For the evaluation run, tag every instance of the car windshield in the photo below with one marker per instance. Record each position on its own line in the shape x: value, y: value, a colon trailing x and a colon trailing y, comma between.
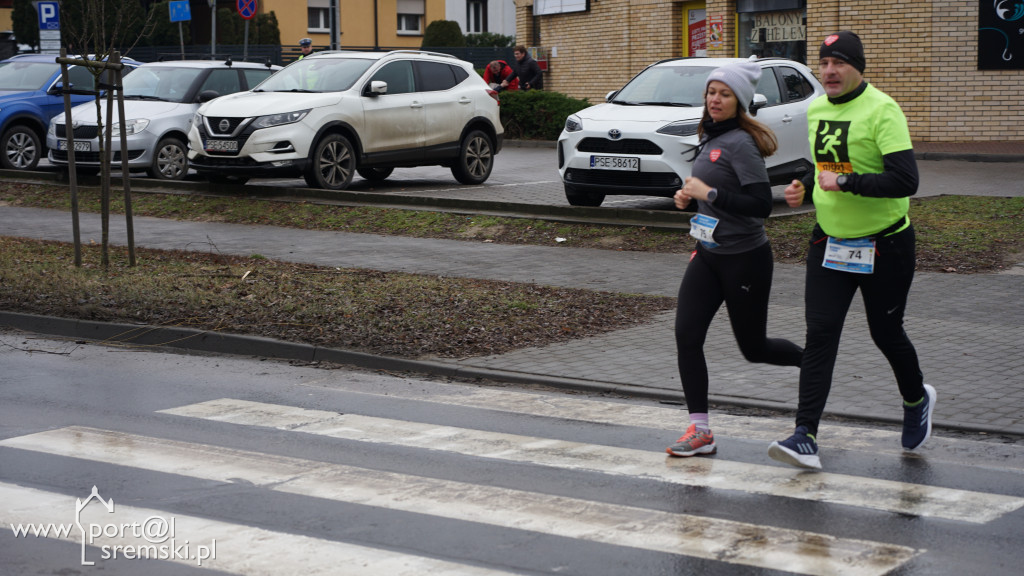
x: 160, y: 83
x: 317, y: 75
x: 25, y: 76
x: 680, y: 85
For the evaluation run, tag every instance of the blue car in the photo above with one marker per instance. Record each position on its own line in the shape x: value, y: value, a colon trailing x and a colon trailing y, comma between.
x: 29, y: 97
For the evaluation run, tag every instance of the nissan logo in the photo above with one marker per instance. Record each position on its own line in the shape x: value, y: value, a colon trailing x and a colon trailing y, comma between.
x: 224, y: 125
x: 614, y: 134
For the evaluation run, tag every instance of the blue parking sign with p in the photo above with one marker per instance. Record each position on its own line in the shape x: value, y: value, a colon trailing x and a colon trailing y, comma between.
x: 49, y: 15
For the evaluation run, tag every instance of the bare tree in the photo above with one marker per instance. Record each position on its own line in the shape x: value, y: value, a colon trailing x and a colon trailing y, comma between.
x: 96, y: 30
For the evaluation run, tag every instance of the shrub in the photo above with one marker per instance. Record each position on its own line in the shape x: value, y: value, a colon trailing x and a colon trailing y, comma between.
x: 443, y: 33
x: 536, y: 114
x: 487, y: 39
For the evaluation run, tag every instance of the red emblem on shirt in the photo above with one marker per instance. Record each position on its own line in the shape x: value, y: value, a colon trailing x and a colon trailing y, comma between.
x: 831, y: 39
x: 715, y: 154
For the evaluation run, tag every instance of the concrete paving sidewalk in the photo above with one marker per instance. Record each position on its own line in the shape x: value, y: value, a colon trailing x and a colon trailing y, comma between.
x: 967, y: 328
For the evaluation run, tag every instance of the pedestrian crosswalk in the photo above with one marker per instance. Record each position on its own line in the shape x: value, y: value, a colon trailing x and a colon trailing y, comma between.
x: 505, y: 506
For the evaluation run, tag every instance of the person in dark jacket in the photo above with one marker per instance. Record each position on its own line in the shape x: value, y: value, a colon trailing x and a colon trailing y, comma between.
x: 531, y: 77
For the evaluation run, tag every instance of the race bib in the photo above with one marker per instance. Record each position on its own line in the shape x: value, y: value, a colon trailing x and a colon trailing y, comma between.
x: 856, y: 256
x: 702, y: 227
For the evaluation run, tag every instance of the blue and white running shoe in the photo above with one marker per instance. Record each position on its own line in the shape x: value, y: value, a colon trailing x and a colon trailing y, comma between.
x: 800, y: 450
x: 917, y: 420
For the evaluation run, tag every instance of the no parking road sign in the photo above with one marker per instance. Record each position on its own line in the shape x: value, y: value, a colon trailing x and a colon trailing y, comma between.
x: 246, y: 8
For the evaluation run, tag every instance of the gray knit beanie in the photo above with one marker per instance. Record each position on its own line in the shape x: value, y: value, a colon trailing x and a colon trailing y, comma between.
x: 741, y: 78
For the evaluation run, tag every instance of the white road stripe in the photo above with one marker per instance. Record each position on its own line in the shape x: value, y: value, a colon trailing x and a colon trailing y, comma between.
x: 240, y: 549
x: 1009, y: 457
x: 886, y: 495
x: 735, y: 542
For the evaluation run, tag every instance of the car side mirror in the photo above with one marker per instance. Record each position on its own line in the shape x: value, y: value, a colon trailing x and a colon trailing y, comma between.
x: 759, y: 102
x: 608, y: 97
x: 377, y: 88
x: 56, y: 90
x: 207, y: 95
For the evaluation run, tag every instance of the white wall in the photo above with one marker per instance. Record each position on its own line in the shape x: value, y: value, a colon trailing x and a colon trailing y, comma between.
x: 501, y: 15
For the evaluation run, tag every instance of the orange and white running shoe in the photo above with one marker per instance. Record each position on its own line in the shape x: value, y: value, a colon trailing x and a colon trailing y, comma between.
x: 693, y: 442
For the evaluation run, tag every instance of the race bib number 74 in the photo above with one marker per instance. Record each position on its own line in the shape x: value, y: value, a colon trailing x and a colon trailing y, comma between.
x: 850, y: 255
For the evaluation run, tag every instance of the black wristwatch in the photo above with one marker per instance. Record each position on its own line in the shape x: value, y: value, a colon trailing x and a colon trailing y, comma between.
x: 712, y: 195
x: 842, y: 180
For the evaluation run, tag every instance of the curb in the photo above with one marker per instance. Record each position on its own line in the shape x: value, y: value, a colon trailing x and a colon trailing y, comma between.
x: 195, y: 340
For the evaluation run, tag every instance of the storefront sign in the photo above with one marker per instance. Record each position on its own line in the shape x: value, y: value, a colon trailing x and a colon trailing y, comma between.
x: 778, y: 27
x: 697, y: 27
x: 1001, y: 35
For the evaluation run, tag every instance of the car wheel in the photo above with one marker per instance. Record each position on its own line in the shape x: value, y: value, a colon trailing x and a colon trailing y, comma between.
x: 476, y: 159
x: 332, y: 164
x: 580, y: 198
x: 375, y: 174
x: 21, y: 148
x: 170, y: 162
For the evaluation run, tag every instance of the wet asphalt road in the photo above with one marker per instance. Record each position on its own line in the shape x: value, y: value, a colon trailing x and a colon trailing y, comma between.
x: 309, y: 470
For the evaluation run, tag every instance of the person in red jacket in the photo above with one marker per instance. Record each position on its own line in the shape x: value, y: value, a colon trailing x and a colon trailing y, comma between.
x: 497, y: 76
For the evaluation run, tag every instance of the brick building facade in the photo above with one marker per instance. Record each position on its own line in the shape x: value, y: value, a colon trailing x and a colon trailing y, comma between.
x: 924, y: 53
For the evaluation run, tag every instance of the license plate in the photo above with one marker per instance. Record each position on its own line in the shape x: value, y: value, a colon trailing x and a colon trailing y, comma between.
x: 80, y: 146
x: 222, y: 145
x: 615, y: 163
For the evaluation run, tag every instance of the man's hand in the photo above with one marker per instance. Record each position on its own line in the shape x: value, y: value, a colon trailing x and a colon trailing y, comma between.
x: 827, y: 181
x: 795, y: 193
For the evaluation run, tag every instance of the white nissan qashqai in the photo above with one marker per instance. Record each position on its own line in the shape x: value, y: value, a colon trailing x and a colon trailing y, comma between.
x: 333, y: 114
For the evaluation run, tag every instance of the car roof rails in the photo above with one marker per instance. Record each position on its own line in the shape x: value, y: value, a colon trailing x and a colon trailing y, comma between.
x: 427, y: 52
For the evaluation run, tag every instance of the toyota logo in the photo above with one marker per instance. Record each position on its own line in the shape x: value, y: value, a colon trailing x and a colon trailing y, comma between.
x: 614, y: 134
x: 224, y: 125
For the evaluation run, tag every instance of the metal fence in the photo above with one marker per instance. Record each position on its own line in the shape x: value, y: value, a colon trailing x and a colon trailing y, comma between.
x: 280, y: 55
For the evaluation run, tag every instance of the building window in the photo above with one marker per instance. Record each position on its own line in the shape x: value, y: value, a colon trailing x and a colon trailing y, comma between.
x: 410, y: 17
x: 476, y: 16
x: 779, y: 34
x: 319, y: 19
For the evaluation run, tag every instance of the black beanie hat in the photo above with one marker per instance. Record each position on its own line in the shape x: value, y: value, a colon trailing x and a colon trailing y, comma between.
x: 846, y: 46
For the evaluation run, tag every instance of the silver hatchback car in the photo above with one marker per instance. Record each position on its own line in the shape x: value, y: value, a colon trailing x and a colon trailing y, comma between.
x: 161, y: 98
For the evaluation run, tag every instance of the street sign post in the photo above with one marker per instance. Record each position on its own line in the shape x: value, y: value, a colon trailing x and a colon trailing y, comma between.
x: 180, y: 12
x: 246, y: 9
x: 49, y: 27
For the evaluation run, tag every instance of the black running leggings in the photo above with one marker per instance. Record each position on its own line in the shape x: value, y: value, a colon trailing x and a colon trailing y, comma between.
x: 827, y: 298
x: 743, y: 282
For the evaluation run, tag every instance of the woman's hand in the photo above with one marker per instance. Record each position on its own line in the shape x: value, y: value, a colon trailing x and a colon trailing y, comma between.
x: 682, y: 199
x: 795, y: 194
x: 696, y: 188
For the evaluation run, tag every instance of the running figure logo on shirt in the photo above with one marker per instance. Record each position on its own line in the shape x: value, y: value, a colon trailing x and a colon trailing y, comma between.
x: 830, y: 147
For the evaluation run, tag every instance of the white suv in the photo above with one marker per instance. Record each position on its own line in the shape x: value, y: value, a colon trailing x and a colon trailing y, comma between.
x: 640, y: 141
x: 332, y: 114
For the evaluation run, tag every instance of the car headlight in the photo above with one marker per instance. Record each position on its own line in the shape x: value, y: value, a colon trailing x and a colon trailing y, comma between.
x: 280, y: 119
x: 130, y: 127
x: 681, y: 128
x: 52, y: 130
x: 197, y: 120
x: 573, y: 123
